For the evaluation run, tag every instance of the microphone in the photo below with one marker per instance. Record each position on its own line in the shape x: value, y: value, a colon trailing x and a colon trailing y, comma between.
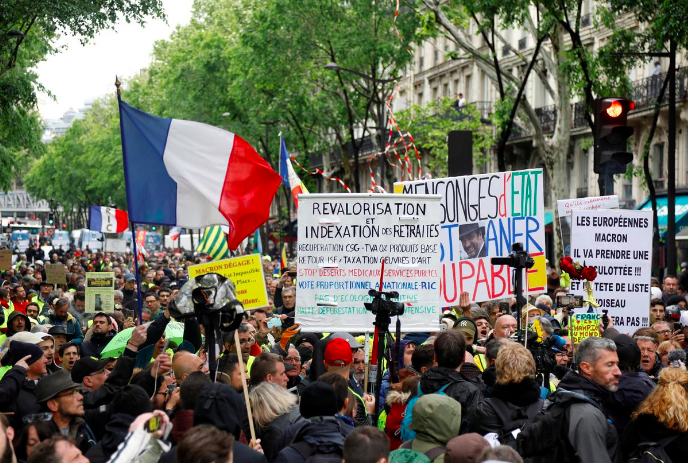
x: 676, y: 356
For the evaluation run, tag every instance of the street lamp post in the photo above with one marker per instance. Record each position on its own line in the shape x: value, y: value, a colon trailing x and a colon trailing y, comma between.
x: 332, y: 66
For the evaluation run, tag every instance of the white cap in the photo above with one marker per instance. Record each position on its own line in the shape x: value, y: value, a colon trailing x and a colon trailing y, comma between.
x: 25, y: 336
x: 43, y: 336
x: 684, y: 318
x: 655, y: 293
x: 39, y: 262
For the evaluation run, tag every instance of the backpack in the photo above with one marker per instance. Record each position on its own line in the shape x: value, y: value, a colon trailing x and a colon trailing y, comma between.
x: 406, y: 433
x: 405, y: 454
x: 544, y: 438
x: 512, y: 419
x: 652, y: 452
x: 310, y: 453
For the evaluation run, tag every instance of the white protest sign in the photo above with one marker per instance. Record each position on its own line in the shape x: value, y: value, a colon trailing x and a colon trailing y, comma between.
x: 593, y: 203
x: 116, y: 245
x: 342, y: 241
x: 618, y: 243
x: 481, y: 217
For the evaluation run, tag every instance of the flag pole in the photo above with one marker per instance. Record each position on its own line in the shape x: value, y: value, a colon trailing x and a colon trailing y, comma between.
x: 118, y: 84
x: 136, y: 270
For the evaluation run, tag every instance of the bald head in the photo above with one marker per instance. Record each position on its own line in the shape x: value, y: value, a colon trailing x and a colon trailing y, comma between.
x: 185, y: 363
x: 505, y: 326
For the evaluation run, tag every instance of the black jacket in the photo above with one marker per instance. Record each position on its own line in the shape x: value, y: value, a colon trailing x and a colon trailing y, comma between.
x: 94, y: 346
x: 130, y: 300
x: 269, y: 435
x: 17, y: 396
x: 646, y: 428
x: 459, y: 389
x: 589, y: 431
x: 115, y: 433
x: 633, y: 389
x: 119, y: 378
x: 325, y: 433
x: 522, y: 399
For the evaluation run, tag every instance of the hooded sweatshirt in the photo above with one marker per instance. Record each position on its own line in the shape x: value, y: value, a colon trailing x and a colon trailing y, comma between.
x: 115, y: 433
x: 436, y: 420
x: 459, y: 389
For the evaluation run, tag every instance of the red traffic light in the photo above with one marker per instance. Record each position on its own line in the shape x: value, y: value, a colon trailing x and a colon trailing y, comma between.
x: 64, y: 225
x: 615, y: 109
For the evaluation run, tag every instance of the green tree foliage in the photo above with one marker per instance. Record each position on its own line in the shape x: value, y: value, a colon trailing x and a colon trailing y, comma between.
x: 84, y: 166
x: 28, y: 30
x: 430, y: 125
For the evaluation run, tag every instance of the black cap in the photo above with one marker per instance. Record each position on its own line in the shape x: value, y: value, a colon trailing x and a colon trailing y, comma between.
x: 51, y: 385
x: 318, y: 399
x: 627, y: 350
x: 58, y: 330
x: 86, y: 366
x: 132, y: 400
x: 18, y: 350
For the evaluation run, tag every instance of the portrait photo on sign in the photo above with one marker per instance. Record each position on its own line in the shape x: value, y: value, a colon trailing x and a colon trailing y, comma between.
x: 472, y: 237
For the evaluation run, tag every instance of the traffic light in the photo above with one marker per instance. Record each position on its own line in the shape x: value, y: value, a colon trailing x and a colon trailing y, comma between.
x: 51, y: 218
x: 64, y: 225
x: 611, y: 133
x: 154, y: 228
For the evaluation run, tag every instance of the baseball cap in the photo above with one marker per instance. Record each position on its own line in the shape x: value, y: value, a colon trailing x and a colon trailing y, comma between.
x: 39, y: 262
x: 86, y: 366
x: 467, y: 326
x: 26, y: 336
x: 129, y: 277
x: 348, y: 338
x: 51, y: 385
x: 338, y: 352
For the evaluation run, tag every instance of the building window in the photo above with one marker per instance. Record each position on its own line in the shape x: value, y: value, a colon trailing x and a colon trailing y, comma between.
x: 436, y: 57
x: 445, y: 90
x: 419, y: 98
x: 434, y: 93
x: 628, y: 191
x: 522, y: 43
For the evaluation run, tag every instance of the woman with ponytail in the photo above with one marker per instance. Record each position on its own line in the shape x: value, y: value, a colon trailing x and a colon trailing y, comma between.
x: 662, y: 416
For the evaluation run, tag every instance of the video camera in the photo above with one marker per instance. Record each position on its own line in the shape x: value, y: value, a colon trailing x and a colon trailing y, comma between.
x: 518, y: 258
x: 384, y: 306
x: 210, y: 294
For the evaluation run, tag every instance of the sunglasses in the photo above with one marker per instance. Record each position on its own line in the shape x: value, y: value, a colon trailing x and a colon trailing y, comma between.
x: 28, y: 419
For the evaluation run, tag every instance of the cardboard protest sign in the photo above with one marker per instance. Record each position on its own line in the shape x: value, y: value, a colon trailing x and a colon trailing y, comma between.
x: 55, y: 274
x: 247, y: 274
x: 5, y: 259
x: 593, y: 203
x: 481, y: 217
x: 100, y: 292
x: 342, y: 241
x: 619, y: 244
x: 584, y: 325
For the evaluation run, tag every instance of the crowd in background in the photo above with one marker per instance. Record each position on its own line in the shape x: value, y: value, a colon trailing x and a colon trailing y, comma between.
x: 468, y: 393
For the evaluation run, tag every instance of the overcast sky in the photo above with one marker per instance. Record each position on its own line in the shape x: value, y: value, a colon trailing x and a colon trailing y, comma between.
x: 82, y: 73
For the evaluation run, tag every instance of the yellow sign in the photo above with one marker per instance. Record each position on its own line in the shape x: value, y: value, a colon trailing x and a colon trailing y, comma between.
x: 585, y: 325
x: 247, y: 274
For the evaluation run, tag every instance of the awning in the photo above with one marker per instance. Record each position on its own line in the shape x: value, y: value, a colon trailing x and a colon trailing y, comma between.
x: 549, y: 217
x: 681, y: 206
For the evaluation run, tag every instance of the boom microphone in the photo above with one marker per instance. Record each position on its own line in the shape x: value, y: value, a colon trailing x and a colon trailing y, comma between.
x: 675, y: 356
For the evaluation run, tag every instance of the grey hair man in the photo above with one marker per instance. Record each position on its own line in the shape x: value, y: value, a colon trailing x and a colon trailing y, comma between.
x: 592, y: 436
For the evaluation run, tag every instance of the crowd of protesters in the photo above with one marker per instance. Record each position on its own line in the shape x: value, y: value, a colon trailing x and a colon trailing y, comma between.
x: 469, y: 393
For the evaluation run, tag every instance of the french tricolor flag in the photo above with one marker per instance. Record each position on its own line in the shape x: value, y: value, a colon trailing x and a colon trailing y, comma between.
x: 289, y: 177
x: 188, y: 174
x: 108, y: 219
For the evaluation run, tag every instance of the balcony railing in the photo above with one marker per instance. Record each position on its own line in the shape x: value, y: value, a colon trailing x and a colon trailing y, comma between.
x: 647, y: 90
